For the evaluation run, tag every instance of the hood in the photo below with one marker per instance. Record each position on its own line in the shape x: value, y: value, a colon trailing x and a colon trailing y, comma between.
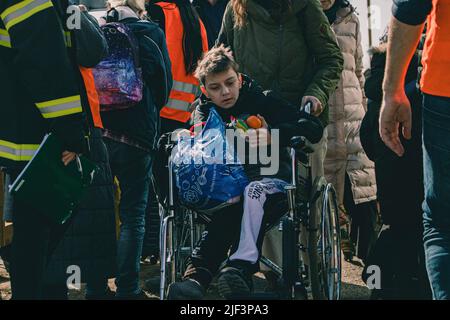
x: 125, y: 12
x: 344, y: 14
x: 257, y: 10
x: 382, y: 48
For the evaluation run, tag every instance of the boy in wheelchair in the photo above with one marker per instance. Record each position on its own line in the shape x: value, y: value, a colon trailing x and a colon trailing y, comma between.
x: 232, y: 240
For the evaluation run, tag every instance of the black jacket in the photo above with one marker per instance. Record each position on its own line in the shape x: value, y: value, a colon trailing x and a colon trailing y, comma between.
x: 141, y: 122
x: 278, y: 113
x: 90, y: 238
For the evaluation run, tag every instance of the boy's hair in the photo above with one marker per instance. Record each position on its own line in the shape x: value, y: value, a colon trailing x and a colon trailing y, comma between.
x: 215, y: 61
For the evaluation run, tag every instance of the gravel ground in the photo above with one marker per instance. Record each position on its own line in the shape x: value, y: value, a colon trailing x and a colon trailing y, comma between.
x: 352, y: 286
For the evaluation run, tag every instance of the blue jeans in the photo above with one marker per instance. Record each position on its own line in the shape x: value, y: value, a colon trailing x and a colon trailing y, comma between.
x: 436, y: 206
x: 132, y: 167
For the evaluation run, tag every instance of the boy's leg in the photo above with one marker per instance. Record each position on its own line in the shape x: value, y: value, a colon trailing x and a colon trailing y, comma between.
x: 255, y: 197
x: 210, y: 251
x: 235, y: 278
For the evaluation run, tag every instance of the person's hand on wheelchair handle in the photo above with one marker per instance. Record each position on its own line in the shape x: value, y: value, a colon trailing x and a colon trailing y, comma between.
x: 316, y: 106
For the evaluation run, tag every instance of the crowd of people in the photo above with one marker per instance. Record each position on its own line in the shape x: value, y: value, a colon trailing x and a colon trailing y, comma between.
x: 383, y: 144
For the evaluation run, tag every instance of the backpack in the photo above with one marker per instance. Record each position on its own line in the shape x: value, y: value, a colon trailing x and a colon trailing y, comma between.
x: 118, y: 77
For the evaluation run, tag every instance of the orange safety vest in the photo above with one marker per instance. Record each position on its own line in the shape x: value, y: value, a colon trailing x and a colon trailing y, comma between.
x: 185, y: 86
x: 436, y: 53
x: 92, y: 95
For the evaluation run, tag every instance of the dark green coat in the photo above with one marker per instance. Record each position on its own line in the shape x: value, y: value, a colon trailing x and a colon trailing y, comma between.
x: 293, y: 53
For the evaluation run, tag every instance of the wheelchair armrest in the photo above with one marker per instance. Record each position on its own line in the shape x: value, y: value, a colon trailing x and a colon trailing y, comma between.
x: 300, y: 143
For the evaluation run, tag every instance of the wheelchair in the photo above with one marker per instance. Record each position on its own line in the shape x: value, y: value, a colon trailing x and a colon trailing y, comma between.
x: 311, y: 255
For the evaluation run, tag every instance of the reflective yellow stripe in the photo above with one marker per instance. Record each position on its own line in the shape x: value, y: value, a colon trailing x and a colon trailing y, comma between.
x: 17, y: 152
x: 68, y: 39
x: 60, y: 107
x: 22, y: 11
x: 5, y: 40
x: 178, y: 104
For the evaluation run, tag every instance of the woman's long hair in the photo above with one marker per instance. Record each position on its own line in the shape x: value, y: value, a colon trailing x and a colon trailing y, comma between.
x: 240, y: 10
x: 192, y: 36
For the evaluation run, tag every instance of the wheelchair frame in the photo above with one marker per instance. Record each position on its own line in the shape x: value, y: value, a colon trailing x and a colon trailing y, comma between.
x: 310, y: 234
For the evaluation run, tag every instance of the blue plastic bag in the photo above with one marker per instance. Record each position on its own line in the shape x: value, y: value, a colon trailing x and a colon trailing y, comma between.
x: 207, y: 173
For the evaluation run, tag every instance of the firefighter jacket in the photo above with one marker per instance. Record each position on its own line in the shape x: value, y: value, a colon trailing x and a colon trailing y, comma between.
x: 39, y: 81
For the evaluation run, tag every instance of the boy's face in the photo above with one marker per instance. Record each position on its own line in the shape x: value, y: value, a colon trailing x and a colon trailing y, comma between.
x: 223, y: 88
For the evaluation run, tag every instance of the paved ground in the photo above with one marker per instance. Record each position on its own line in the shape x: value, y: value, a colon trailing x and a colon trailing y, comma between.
x: 352, y: 286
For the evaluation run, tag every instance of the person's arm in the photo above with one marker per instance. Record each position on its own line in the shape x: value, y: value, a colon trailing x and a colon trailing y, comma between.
x: 44, y: 67
x: 156, y: 66
x: 156, y: 14
x: 322, y: 45
x: 91, y: 44
x: 396, y: 109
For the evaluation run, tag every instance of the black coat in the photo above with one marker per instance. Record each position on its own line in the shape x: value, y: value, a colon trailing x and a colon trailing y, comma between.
x: 90, y: 240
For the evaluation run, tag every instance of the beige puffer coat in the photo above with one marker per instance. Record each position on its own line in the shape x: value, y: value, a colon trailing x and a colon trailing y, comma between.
x: 347, y: 108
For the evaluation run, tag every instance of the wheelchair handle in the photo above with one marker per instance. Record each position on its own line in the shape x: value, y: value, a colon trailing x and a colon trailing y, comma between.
x: 307, y: 107
x: 300, y: 143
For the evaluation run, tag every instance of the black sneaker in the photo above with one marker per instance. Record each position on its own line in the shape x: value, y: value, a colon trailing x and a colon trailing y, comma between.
x: 152, y: 284
x: 138, y: 296
x: 234, y: 283
x: 188, y: 289
x: 107, y: 295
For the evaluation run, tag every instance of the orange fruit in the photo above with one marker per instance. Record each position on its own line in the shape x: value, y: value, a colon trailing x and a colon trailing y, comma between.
x: 254, y: 122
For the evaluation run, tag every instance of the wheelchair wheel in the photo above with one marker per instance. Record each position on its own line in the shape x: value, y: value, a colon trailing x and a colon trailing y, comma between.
x: 176, y: 237
x: 324, y: 247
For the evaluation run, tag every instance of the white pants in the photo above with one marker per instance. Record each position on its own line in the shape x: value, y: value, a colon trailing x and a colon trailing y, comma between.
x: 255, y: 196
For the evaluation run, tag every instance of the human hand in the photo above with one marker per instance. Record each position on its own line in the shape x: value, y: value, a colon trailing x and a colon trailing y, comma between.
x: 395, y: 112
x: 261, y: 136
x: 68, y: 157
x: 317, y: 107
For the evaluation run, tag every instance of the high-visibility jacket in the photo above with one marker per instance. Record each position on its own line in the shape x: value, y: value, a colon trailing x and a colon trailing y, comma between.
x: 39, y: 85
x: 92, y: 96
x: 185, y: 86
x: 436, y: 54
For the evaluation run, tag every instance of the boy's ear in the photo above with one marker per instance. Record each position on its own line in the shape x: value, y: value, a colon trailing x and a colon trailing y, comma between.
x: 240, y: 80
x: 203, y: 89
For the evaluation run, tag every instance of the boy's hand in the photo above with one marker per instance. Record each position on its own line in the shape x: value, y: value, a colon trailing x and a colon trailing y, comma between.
x: 260, y: 137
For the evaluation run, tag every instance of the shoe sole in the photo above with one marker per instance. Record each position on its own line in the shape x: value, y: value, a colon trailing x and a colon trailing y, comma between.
x: 232, y: 286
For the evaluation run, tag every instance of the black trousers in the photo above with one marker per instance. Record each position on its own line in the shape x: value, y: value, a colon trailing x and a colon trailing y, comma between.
x: 34, y: 240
